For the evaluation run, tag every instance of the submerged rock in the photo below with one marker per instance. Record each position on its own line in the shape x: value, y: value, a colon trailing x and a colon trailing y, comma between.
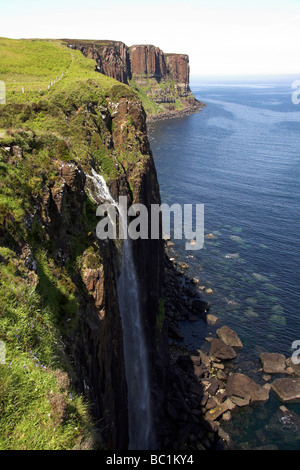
x: 232, y: 255
x: 183, y: 265
x: 284, y: 427
x: 211, y: 319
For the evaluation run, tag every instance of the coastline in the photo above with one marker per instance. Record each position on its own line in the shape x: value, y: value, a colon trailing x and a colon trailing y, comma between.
x: 216, y: 382
x: 188, y: 110
x: 215, y: 377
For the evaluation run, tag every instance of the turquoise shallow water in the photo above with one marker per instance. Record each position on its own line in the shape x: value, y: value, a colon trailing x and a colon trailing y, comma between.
x: 240, y: 157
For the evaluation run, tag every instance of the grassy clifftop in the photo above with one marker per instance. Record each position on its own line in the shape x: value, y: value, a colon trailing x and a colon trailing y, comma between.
x: 30, y: 68
x: 58, y: 112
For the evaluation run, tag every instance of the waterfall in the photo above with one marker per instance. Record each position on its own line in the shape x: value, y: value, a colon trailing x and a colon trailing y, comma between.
x: 135, y: 353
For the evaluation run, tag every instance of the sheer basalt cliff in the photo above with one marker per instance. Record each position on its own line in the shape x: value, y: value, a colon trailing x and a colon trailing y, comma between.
x: 65, y: 384
x: 50, y: 142
x: 111, y: 57
x: 162, y: 80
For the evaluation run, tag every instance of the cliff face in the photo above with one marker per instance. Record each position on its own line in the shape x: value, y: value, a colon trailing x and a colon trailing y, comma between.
x: 53, y: 264
x: 147, y: 60
x: 152, y: 62
x: 162, y: 80
x: 96, y: 345
x: 178, y: 66
x: 48, y: 228
x: 111, y: 57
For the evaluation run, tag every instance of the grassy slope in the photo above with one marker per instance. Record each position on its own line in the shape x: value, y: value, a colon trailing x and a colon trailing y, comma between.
x: 149, y: 104
x: 53, y: 112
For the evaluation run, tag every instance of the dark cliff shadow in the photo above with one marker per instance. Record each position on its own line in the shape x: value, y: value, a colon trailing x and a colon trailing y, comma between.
x: 191, y: 392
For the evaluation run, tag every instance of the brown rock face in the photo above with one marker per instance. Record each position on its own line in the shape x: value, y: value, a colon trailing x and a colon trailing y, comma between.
x: 148, y: 60
x: 178, y: 66
x: 116, y: 60
x: 288, y: 390
x: 273, y: 363
x: 96, y: 343
x: 221, y: 351
x: 240, y: 385
x: 153, y: 62
x: 100, y: 351
x: 229, y: 337
x: 112, y: 57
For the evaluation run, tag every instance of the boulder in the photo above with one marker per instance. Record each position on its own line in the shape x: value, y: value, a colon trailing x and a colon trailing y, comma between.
x: 289, y: 418
x: 238, y: 401
x: 199, y: 371
x: 200, y: 306
x: 295, y: 367
x: 221, y: 375
x: 215, y: 413
x: 183, y: 265
x: 239, y: 385
x: 211, y: 403
x: 287, y: 389
x: 192, y: 365
x: 211, y: 319
x: 273, y: 363
x: 284, y: 428
x: 204, y: 358
x: 220, y: 350
x: 213, y: 386
x: 224, y: 435
x: 229, y: 337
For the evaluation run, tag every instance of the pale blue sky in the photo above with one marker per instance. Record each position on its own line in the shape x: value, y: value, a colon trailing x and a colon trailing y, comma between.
x: 221, y: 37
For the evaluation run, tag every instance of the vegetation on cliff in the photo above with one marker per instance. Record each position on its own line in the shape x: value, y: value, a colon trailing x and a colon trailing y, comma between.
x: 57, y: 123
x: 161, y: 80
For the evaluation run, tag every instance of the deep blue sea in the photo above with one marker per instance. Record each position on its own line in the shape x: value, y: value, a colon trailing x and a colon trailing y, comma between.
x: 240, y: 157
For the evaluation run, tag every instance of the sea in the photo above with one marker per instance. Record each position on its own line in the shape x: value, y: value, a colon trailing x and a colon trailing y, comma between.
x: 240, y: 157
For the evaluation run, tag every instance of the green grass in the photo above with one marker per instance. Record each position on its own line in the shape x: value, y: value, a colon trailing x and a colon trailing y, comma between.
x: 33, y: 69
x: 38, y: 408
x: 149, y: 105
x: 31, y: 65
x: 150, y: 90
x: 39, y: 310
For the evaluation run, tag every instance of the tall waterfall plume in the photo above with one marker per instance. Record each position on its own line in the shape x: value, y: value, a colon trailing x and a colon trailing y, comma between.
x: 141, y: 436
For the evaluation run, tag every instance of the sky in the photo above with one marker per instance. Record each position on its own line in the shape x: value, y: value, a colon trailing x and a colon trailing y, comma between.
x: 221, y: 37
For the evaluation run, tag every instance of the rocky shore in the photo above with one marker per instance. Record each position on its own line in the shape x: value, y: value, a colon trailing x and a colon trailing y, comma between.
x: 206, y: 386
x: 186, y: 111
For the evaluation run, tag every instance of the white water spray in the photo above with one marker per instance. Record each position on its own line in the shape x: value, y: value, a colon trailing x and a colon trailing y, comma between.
x: 135, y: 353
